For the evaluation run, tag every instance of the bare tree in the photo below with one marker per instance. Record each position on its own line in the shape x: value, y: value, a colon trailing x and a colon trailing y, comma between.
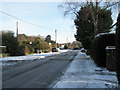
x: 73, y: 6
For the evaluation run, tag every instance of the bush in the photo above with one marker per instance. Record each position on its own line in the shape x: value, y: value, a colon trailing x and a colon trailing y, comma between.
x: 99, y: 43
x: 20, y: 51
x: 11, y: 42
x: 65, y: 47
x: 3, y: 50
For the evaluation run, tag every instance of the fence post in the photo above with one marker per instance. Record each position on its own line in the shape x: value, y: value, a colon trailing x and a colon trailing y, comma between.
x: 110, y: 58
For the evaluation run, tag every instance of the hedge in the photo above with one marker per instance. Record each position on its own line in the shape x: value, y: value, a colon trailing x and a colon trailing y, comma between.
x: 118, y: 48
x: 99, y: 43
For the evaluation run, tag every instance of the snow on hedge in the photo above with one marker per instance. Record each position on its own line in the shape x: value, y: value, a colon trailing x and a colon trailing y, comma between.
x: 101, y: 34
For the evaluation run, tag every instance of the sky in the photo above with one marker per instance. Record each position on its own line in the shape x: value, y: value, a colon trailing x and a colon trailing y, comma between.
x: 46, y: 15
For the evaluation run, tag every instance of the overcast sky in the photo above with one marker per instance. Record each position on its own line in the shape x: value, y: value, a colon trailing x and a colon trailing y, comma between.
x: 46, y: 15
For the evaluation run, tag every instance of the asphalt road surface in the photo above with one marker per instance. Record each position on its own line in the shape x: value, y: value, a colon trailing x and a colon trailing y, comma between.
x: 37, y: 74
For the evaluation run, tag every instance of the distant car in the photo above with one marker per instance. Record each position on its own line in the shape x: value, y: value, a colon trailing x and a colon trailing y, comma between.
x: 54, y: 50
x: 83, y: 50
x: 45, y: 51
x: 61, y: 48
x: 76, y: 48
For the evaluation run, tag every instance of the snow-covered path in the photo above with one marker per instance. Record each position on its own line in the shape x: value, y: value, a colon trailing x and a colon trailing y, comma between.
x: 83, y: 73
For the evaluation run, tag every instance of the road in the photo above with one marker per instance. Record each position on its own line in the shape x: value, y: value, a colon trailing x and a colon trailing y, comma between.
x: 37, y: 74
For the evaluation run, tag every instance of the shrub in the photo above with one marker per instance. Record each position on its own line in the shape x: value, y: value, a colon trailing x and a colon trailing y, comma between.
x: 11, y: 42
x: 99, y: 43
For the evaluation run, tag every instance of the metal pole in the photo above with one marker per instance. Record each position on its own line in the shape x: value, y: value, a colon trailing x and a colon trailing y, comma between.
x: 67, y: 41
x: 17, y: 30
x: 56, y: 38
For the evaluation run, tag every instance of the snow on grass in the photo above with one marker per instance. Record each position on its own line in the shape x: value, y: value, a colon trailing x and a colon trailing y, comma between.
x: 17, y: 58
x: 7, y: 61
x: 83, y: 73
x: 66, y: 50
x: 29, y: 57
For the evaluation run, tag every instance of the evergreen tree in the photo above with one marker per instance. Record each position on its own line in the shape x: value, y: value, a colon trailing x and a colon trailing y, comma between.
x: 85, y: 24
x: 48, y: 39
x: 10, y: 42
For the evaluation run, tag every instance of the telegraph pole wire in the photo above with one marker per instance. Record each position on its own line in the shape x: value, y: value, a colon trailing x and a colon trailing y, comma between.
x: 21, y: 19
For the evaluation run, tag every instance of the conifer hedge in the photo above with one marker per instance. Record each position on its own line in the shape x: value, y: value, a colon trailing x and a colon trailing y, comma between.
x: 98, y: 47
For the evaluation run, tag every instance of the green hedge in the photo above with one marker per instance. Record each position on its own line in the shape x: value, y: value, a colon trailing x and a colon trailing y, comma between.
x: 99, y: 43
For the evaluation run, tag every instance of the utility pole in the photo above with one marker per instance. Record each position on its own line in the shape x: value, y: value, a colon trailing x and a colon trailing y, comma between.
x: 56, y: 38
x: 17, y: 30
x: 67, y: 41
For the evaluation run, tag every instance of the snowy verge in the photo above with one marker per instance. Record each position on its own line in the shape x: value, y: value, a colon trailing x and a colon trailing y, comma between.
x: 6, y: 61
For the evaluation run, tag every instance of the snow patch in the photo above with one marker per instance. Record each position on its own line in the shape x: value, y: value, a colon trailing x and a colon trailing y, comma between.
x: 101, y: 34
x: 7, y: 61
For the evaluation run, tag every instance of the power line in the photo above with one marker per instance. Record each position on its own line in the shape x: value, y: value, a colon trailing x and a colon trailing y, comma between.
x: 21, y: 19
x: 24, y: 20
x: 31, y: 24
